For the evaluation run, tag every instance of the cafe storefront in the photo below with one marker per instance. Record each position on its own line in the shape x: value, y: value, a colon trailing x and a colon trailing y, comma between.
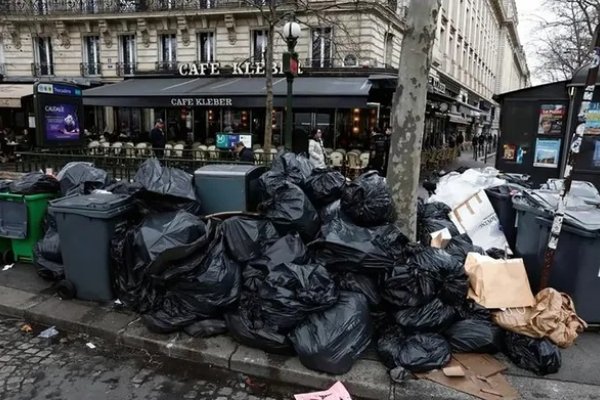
x: 199, y: 103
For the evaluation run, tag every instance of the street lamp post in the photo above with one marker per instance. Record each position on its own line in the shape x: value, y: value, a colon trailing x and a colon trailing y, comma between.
x: 291, y: 33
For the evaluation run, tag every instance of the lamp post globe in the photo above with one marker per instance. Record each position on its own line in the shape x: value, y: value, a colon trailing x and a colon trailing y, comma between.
x: 291, y: 31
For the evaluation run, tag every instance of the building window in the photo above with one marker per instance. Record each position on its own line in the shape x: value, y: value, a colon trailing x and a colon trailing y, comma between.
x: 127, y: 56
x: 206, y: 47
x: 40, y: 7
x: 389, y: 50
x: 168, y: 52
x: 90, y: 6
x: 43, y: 57
x: 2, y: 66
x: 91, y: 57
x: 321, y: 48
x: 259, y: 45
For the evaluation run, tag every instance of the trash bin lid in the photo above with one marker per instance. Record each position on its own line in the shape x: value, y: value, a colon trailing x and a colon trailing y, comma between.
x: 226, y: 170
x: 96, y: 205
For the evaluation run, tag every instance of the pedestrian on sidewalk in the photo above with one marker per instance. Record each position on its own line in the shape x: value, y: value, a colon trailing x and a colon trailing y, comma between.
x: 316, y: 151
x: 460, y: 139
x: 475, y: 143
x: 158, y: 138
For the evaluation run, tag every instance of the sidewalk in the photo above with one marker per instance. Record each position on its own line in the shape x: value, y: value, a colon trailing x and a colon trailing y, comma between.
x: 23, y: 294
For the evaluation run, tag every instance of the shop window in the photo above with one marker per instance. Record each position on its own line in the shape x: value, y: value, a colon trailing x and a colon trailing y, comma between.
x: 322, y: 50
x: 259, y: 45
x: 389, y: 50
x: 206, y: 47
x: 43, y: 56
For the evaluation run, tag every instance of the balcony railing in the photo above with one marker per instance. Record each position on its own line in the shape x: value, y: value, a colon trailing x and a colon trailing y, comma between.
x: 42, y: 69
x: 126, y: 69
x: 90, y: 69
x: 166, y: 66
x: 62, y: 7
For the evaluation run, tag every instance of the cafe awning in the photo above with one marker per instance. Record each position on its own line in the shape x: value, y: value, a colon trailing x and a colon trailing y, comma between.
x: 11, y: 94
x: 458, y: 119
x: 239, y: 92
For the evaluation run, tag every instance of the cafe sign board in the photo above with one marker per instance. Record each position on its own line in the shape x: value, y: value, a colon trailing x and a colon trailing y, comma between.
x: 242, y: 69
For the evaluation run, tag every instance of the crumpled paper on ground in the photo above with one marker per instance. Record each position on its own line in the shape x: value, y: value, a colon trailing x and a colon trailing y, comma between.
x: 553, y: 317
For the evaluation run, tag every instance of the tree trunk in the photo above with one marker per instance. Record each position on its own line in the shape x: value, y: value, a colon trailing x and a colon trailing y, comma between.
x: 269, y: 85
x: 408, y: 111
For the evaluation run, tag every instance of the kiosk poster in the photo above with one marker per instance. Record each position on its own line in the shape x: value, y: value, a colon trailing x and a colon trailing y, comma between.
x: 596, y: 159
x: 547, y: 152
x: 509, y: 152
x: 592, y: 119
x: 551, y: 119
x: 61, y: 122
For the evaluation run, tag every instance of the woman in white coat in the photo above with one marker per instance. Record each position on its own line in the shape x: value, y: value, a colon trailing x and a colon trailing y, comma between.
x: 315, y: 149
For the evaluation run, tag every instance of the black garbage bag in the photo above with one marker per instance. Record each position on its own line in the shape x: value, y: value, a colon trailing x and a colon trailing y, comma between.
x: 325, y: 186
x: 269, y: 182
x: 161, y: 232
x: 389, y: 344
x: 290, y: 292
x: 368, y: 201
x: 172, y: 316
x: 424, y: 352
x: 434, y: 316
x: 253, y: 277
x: 537, y: 355
x: 332, y: 340
x: 359, y: 283
x: 247, y: 327
x: 330, y: 212
x: 5, y: 185
x: 427, y: 226
x: 295, y: 168
x: 213, y: 284
x: 460, y: 246
x: 291, y: 211
x: 248, y: 237
x: 471, y: 310
x: 428, y: 273
x: 475, y: 336
x: 47, y: 257
x: 165, y: 181
x: 498, y: 254
x: 34, y: 183
x: 81, y: 178
x: 349, y: 247
x: 206, y: 328
x: 435, y: 210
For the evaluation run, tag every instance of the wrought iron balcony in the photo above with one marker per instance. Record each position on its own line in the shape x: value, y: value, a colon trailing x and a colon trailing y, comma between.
x: 166, y: 66
x: 126, y: 69
x: 42, y: 69
x: 82, y: 7
x: 90, y: 69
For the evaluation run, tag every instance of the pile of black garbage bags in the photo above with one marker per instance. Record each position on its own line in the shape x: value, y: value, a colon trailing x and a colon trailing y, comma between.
x: 321, y: 272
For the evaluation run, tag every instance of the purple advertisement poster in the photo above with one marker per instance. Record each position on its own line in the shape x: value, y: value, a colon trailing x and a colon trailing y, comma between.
x: 61, y: 122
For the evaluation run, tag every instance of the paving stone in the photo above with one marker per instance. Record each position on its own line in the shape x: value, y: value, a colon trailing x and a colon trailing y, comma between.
x: 191, y: 395
x: 34, y: 360
x: 44, y: 353
x: 8, y: 368
x: 5, y: 359
x: 226, y: 391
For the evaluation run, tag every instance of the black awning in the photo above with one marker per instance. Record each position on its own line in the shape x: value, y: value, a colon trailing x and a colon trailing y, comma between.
x: 580, y: 77
x: 309, y: 92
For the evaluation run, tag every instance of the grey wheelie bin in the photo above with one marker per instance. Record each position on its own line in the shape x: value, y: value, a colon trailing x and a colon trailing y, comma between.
x: 86, y: 225
x: 528, y: 231
x: 576, y: 267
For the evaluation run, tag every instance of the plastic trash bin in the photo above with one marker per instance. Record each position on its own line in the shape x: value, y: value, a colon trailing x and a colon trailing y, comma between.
x: 501, y: 199
x: 228, y: 187
x: 528, y: 231
x: 21, y: 219
x: 576, y: 270
x: 86, y: 225
x: 6, y: 254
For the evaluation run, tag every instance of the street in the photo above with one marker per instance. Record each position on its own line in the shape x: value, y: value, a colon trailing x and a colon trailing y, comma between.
x: 34, y: 369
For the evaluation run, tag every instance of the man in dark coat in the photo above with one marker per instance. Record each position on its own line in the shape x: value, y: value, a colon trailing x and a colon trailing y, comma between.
x: 245, y: 154
x: 158, y: 138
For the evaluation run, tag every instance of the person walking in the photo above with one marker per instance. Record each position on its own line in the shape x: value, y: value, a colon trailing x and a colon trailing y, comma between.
x: 460, y: 139
x: 158, y: 138
x: 316, y: 151
x: 244, y: 154
x: 475, y: 144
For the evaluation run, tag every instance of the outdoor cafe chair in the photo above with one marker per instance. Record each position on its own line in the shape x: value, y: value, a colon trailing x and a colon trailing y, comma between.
x: 353, y: 164
x: 105, y: 146
x: 141, y: 149
x: 336, y: 159
x: 213, y: 153
x: 256, y: 147
x: 178, y: 150
x: 364, y: 159
x: 168, y: 150
x: 343, y: 151
x: 117, y: 147
x: 328, y: 150
x: 93, y: 147
x: 259, y: 156
x: 129, y: 149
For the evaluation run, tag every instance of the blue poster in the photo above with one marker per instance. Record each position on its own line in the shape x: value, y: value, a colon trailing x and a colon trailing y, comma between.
x: 61, y: 122
x: 592, y: 119
x: 547, y: 153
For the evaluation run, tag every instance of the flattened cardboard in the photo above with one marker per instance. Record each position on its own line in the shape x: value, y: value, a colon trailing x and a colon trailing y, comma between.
x: 483, y: 364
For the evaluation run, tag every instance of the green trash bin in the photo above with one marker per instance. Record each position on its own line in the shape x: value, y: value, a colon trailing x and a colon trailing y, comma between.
x: 6, y: 254
x: 21, y: 221
x: 86, y: 226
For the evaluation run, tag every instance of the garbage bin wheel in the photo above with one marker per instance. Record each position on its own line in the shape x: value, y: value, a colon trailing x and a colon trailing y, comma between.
x: 65, y: 290
x: 8, y: 257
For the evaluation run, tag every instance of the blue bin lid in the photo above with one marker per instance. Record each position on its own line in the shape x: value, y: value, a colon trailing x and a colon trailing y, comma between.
x: 98, y: 205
